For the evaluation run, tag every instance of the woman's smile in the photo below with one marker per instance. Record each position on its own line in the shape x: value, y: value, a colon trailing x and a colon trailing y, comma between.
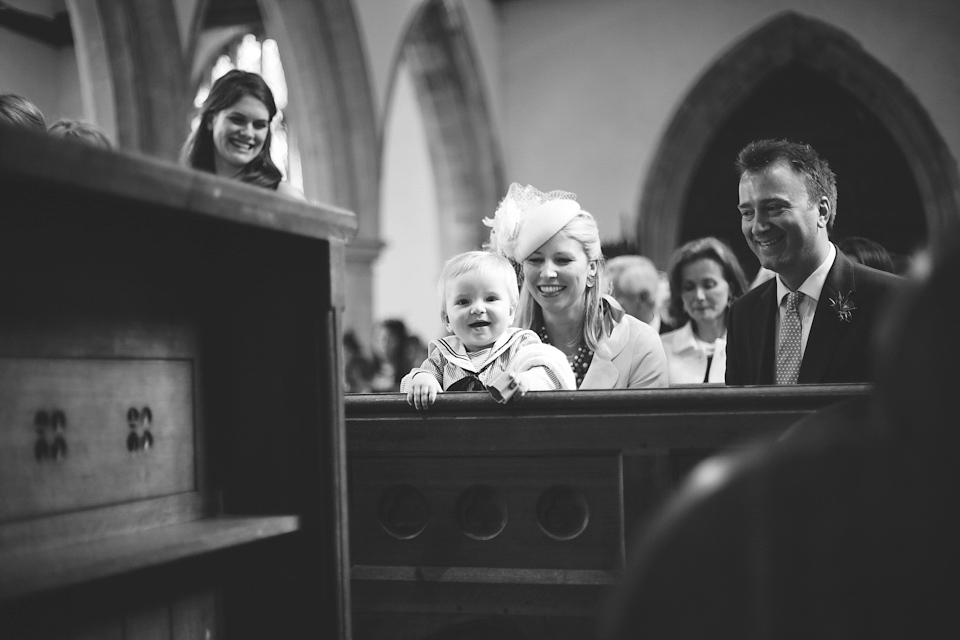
x: 550, y: 289
x: 242, y: 144
x: 239, y: 134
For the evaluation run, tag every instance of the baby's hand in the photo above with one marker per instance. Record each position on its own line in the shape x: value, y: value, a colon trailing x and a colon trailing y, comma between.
x: 423, y: 390
x: 520, y: 384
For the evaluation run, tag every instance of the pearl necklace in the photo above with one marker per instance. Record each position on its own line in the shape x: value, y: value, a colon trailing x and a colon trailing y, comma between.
x: 579, y: 361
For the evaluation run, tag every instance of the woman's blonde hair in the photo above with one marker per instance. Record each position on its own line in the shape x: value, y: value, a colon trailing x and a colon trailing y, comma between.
x: 583, y: 229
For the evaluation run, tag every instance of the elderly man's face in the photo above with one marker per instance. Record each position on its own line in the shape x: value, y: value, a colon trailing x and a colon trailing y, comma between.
x: 637, y: 291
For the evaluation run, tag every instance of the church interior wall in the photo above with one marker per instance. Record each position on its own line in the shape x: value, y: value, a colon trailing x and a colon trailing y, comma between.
x: 34, y: 80
x: 69, y: 102
x: 185, y: 11
x: 382, y: 26
x: 409, y: 209
x: 410, y: 261
x: 590, y: 87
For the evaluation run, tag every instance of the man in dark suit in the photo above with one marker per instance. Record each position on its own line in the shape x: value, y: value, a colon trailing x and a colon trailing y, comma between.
x: 811, y: 323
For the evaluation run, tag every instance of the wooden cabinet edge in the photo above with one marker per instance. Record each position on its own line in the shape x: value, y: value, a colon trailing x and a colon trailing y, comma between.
x: 74, y: 564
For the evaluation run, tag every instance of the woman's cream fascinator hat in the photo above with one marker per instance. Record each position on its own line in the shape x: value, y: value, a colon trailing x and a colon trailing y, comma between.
x: 527, y: 218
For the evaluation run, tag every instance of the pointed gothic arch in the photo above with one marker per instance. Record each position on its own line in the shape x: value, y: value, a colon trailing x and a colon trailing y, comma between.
x: 332, y: 110
x: 791, y: 38
x: 135, y: 95
x: 464, y: 152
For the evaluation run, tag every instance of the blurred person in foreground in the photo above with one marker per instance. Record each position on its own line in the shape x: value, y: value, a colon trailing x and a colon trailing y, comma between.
x: 846, y: 529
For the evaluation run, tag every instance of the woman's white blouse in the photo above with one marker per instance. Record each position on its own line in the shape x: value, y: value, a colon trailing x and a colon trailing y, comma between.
x: 687, y: 359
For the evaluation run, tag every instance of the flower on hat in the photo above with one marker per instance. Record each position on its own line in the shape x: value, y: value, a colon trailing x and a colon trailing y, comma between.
x: 508, y: 219
x: 505, y: 225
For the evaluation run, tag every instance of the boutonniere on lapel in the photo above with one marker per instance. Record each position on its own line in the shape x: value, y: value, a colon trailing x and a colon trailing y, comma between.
x: 843, y: 306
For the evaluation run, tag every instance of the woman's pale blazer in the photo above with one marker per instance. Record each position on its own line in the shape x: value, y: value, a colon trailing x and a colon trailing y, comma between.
x: 630, y: 357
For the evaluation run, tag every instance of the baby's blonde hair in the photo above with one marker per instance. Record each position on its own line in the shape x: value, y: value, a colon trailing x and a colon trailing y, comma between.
x: 475, y: 261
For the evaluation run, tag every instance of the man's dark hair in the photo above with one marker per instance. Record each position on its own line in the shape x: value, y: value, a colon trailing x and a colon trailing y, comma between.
x: 821, y: 180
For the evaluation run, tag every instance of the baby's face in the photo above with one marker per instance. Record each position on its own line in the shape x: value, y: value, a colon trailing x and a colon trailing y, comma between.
x: 478, y: 308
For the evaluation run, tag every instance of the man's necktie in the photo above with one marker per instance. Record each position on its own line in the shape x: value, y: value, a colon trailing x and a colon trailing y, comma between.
x: 788, y: 355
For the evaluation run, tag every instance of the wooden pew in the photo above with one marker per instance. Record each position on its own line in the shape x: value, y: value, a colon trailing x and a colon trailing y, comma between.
x: 474, y: 518
x: 171, y: 414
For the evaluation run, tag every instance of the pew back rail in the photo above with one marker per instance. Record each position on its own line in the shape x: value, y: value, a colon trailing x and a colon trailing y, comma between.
x: 519, y: 516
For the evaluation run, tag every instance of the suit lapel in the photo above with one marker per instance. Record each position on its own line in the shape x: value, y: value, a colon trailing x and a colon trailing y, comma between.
x: 767, y: 309
x: 602, y: 374
x: 827, y: 329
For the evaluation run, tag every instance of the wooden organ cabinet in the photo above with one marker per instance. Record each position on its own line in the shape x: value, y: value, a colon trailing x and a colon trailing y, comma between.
x: 172, y: 456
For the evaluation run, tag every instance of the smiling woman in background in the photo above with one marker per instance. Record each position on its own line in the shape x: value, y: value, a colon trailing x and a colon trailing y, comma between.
x: 233, y: 137
x: 705, y: 277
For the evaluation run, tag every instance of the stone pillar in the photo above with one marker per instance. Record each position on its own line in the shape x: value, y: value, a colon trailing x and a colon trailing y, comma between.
x: 133, y: 77
x: 333, y: 118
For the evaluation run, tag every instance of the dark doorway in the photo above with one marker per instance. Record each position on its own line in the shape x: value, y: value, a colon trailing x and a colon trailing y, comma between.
x: 877, y: 196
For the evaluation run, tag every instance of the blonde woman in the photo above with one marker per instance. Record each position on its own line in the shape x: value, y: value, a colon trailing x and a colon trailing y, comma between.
x: 557, y: 247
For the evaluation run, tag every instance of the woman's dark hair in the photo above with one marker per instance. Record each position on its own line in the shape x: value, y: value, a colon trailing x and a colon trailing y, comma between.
x: 694, y: 250
x: 867, y: 252
x: 20, y: 112
x: 198, y: 151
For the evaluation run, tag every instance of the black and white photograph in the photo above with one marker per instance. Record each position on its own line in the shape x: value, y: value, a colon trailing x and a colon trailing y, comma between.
x: 479, y: 319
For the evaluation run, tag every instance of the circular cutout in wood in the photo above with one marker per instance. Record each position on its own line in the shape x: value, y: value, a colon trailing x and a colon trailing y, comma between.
x: 403, y: 512
x: 562, y: 512
x: 481, y: 512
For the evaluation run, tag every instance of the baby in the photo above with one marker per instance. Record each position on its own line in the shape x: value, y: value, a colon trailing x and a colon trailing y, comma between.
x: 478, y: 298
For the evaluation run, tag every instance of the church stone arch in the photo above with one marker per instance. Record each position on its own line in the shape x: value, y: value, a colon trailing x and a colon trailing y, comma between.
x: 792, y: 39
x: 331, y: 109
x: 331, y: 103
x: 464, y: 152
x: 134, y: 82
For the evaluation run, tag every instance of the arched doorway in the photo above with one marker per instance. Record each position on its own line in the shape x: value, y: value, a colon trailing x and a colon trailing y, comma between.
x: 441, y: 172
x: 878, y: 197
x: 465, y: 155
x: 786, y: 46
x: 133, y: 94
